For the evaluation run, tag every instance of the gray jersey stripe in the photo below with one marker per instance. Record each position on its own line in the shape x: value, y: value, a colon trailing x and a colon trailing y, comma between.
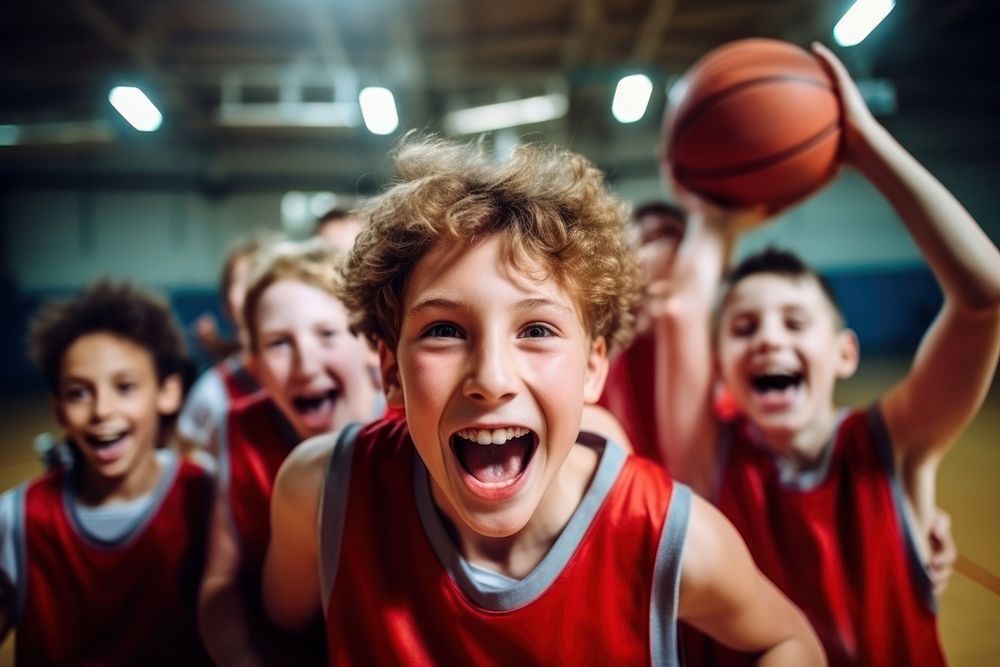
x: 883, y: 445
x: 333, y: 509
x: 552, y: 564
x: 21, y: 549
x: 667, y: 580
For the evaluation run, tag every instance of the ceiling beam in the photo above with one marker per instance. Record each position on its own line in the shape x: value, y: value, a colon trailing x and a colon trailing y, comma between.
x: 647, y: 44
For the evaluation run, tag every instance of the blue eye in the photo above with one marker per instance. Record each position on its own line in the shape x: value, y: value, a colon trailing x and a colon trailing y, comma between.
x: 536, y: 331
x: 443, y: 330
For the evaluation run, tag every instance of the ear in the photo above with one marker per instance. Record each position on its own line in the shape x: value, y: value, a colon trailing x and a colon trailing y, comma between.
x: 597, y: 370
x: 391, y: 384
x: 848, y: 353
x: 170, y: 395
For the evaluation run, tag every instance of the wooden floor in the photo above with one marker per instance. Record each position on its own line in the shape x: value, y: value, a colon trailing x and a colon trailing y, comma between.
x: 968, y: 489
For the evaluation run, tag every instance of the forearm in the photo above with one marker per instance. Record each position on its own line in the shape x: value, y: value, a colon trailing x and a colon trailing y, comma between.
x: 797, y: 650
x: 961, y: 255
x: 683, y: 353
x: 224, y: 624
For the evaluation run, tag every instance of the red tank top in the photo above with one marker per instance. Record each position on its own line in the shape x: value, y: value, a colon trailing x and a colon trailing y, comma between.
x: 87, y: 602
x: 398, y: 592
x: 837, y: 542
x: 257, y: 439
x: 239, y: 381
x: 628, y: 395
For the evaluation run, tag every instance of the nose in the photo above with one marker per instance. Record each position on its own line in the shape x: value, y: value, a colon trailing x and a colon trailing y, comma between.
x: 306, y: 360
x: 492, y: 376
x: 103, y: 405
x: 771, y: 334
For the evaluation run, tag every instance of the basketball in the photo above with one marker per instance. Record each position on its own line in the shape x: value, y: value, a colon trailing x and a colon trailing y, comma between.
x: 755, y: 122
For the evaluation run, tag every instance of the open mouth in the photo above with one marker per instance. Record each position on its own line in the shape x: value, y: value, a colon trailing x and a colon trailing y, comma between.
x: 776, y: 382
x: 107, y: 446
x: 496, y: 457
x: 314, y: 403
x: 105, y: 441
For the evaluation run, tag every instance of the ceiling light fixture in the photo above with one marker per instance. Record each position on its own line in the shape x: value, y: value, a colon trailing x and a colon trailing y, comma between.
x: 506, y: 114
x: 378, y: 109
x: 136, y: 108
x: 860, y: 19
x: 631, y: 98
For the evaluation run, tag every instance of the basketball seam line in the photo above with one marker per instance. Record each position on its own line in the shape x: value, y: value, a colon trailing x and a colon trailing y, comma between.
x: 692, y: 115
x: 760, y: 163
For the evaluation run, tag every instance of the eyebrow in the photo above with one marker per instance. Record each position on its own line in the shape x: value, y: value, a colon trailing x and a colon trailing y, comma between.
x: 441, y: 303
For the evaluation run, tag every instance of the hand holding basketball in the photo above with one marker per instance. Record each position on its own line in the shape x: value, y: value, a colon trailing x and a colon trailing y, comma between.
x: 753, y: 123
x: 857, y: 119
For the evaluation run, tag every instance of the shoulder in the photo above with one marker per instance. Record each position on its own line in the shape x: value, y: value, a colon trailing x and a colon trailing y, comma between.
x: 302, y: 473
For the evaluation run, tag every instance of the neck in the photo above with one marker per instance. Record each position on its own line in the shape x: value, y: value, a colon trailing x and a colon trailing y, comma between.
x: 95, y: 489
x: 803, y: 448
x: 518, y: 554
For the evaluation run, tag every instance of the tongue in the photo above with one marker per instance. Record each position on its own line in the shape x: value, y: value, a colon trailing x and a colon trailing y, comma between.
x: 492, y: 464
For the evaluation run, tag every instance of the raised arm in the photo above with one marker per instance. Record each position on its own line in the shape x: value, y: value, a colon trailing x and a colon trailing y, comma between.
x: 291, y: 586
x: 724, y: 595
x: 957, y: 357
x: 682, y: 294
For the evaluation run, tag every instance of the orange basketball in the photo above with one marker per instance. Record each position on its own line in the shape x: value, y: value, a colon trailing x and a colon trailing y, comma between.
x: 754, y: 122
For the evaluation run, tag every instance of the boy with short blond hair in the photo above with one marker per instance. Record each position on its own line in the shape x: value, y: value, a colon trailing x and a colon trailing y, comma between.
x: 477, y: 531
x: 101, y: 559
x: 318, y: 377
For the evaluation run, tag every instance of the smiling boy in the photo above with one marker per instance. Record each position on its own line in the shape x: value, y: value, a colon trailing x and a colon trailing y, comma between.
x: 318, y: 377
x: 837, y: 506
x: 477, y: 531
x: 101, y: 559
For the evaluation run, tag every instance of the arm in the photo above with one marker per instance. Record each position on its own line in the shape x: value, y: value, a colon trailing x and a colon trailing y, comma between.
x: 724, y: 595
x: 682, y: 295
x: 957, y: 357
x: 291, y: 585
x: 221, y: 614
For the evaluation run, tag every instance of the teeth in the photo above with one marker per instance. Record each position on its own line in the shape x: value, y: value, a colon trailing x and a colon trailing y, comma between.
x: 107, y: 438
x: 497, y: 436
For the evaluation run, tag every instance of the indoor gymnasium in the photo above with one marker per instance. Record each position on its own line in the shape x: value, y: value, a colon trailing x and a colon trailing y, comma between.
x: 243, y: 237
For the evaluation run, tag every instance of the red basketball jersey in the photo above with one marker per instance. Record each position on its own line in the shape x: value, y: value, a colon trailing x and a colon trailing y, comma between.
x: 239, y: 382
x: 256, y: 440
x: 628, y: 395
x: 87, y: 602
x: 837, y: 542
x: 398, y: 592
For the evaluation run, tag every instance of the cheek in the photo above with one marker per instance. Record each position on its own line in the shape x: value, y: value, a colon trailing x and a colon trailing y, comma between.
x: 274, y: 370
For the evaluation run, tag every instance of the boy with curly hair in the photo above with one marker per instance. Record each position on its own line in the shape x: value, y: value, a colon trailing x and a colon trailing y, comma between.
x: 101, y: 559
x: 478, y: 530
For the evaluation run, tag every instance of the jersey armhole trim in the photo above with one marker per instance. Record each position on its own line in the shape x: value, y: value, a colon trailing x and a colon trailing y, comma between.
x: 665, y: 598
x: 883, y: 446
x: 332, y: 512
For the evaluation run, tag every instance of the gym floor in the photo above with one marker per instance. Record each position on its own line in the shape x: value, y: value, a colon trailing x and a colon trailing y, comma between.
x: 967, y: 489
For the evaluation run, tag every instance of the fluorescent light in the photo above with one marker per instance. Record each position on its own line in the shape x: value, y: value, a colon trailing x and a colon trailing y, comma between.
x: 631, y: 98
x: 506, y: 114
x: 288, y: 114
x: 136, y: 108
x: 378, y: 109
x: 858, y: 21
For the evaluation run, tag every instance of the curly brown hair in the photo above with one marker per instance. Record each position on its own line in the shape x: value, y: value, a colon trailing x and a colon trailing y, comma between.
x: 550, y: 205
x: 312, y: 262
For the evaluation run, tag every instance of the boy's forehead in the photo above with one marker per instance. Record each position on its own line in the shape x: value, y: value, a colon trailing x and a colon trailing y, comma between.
x: 448, y: 260
x: 777, y: 289
x: 105, y: 352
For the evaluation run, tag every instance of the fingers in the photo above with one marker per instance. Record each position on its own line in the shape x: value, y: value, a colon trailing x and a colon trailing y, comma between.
x: 944, y: 552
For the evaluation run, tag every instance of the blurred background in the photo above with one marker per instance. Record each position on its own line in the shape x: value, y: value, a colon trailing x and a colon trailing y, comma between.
x: 272, y: 112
